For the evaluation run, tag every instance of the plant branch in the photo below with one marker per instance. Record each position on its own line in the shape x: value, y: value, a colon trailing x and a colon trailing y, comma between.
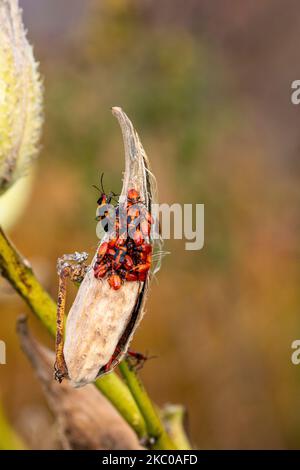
x: 154, y: 425
x: 18, y: 272
x: 20, y: 275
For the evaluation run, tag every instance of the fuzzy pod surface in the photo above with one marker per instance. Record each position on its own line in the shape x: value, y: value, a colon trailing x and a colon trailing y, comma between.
x: 21, y: 95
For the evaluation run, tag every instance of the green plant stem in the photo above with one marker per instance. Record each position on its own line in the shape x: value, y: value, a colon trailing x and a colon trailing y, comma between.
x: 9, y: 440
x: 174, y: 417
x: 18, y: 272
x: 20, y: 275
x: 155, y: 427
x: 117, y: 393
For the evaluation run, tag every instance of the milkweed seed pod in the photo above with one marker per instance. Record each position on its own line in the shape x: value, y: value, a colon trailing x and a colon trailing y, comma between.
x: 102, y: 321
x: 20, y: 97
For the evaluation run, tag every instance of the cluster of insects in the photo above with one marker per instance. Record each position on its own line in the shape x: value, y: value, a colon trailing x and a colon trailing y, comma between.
x: 127, y: 255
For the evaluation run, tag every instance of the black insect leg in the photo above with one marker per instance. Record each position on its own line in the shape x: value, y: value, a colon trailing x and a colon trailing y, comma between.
x: 138, y: 359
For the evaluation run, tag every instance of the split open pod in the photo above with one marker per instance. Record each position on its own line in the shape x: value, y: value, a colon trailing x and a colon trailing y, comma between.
x: 105, y: 315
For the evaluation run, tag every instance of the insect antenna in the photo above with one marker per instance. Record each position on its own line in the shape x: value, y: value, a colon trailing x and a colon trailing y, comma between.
x: 101, y: 182
x: 112, y: 193
x: 101, y: 185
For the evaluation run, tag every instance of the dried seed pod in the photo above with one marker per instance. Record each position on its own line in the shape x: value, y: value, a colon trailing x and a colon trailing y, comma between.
x: 20, y: 96
x: 102, y: 321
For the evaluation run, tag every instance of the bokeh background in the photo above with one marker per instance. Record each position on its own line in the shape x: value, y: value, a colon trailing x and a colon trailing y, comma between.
x: 208, y: 85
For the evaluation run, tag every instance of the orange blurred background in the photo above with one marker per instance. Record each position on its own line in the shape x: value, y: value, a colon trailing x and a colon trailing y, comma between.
x: 207, y: 85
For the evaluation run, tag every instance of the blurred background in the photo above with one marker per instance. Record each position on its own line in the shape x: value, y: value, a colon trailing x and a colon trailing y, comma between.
x: 207, y: 85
